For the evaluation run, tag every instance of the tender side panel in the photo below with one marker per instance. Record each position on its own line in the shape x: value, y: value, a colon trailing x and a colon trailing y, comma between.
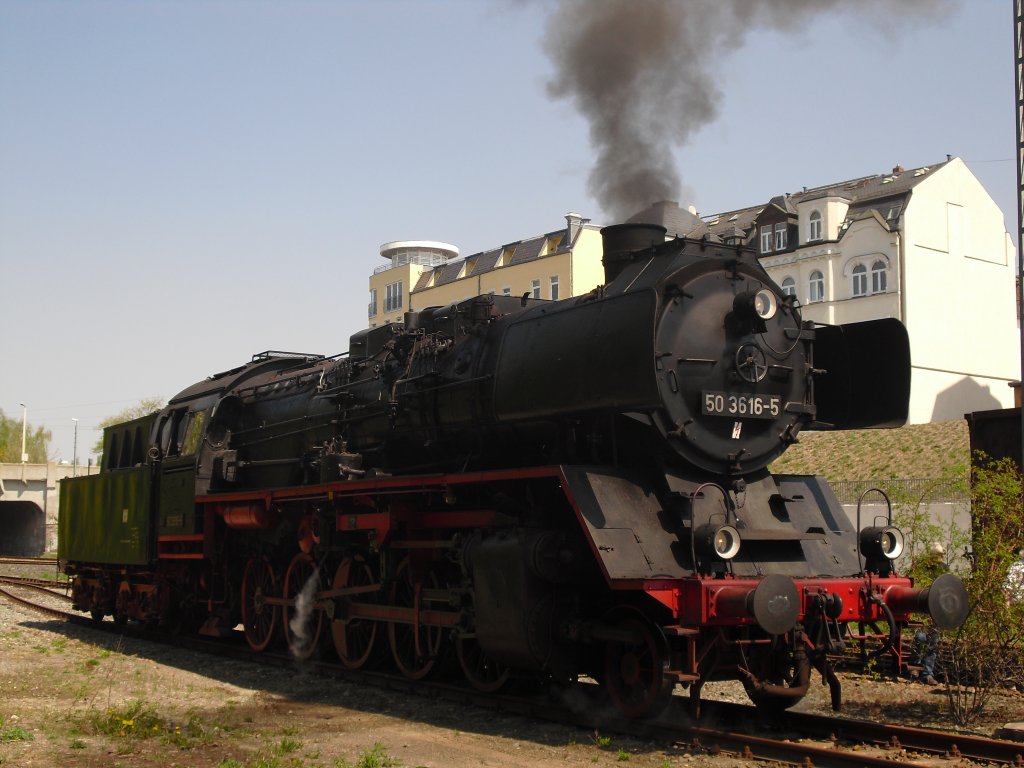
x: 105, y: 518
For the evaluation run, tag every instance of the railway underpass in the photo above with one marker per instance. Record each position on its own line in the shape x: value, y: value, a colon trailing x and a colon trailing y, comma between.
x: 29, y: 497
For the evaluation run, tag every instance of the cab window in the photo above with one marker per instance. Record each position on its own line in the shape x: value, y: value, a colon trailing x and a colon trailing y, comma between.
x: 172, y: 432
x: 193, y: 432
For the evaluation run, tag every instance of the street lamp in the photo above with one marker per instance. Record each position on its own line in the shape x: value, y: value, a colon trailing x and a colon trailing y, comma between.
x: 74, y: 460
x: 24, y: 425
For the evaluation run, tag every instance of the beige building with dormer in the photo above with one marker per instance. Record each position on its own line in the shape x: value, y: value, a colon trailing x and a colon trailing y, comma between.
x: 424, y: 273
x: 926, y: 245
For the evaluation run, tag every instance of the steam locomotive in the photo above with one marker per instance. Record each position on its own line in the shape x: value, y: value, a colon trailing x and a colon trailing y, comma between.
x: 546, y: 490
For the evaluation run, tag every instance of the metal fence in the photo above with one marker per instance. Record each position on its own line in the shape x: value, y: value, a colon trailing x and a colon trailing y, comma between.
x: 914, y: 491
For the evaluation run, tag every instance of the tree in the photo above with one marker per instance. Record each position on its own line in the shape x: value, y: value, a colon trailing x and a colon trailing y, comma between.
x: 37, y: 441
x: 144, y: 407
x: 987, y: 652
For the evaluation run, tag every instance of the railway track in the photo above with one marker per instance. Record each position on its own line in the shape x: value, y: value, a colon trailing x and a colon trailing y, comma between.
x: 5, y: 560
x: 738, y: 730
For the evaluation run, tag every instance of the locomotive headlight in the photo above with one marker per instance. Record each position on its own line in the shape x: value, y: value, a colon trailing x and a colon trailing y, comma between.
x: 765, y: 304
x: 882, y: 541
x: 756, y: 305
x: 721, y: 542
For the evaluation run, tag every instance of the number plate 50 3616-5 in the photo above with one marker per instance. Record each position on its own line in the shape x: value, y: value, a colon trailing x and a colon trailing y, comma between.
x: 734, y: 405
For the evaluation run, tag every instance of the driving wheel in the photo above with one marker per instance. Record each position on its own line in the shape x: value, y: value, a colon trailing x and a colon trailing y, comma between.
x: 415, y: 647
x: 259, y: 619
x: 354, y: 639
x: 302, y: 619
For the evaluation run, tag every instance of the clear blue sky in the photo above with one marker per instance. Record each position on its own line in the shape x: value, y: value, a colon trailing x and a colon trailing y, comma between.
x: 183, y: 184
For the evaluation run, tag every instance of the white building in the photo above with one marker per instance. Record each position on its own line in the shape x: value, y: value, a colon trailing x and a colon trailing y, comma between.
x: 926, y: 245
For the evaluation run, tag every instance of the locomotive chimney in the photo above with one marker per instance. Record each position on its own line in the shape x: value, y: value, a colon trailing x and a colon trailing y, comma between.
x: 623, y: 241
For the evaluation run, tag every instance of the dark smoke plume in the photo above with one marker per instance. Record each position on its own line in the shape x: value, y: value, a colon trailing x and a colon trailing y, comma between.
x: 642, y: 72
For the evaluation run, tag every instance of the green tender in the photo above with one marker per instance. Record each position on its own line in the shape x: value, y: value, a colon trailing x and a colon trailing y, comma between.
x: 105, y: 518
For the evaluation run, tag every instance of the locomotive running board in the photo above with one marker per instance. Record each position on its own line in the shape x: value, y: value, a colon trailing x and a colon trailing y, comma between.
x: 628, y: 531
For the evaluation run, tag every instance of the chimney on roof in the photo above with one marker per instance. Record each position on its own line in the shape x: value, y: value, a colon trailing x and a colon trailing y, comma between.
x: 573, y: 224
x: 897, y: 169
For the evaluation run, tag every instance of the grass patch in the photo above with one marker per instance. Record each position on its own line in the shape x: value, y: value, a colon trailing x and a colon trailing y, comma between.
x: 375, y: 757
x: 136, y: 721
x: 133, y: 720
x: 914, y: 451
x: 14, y: 733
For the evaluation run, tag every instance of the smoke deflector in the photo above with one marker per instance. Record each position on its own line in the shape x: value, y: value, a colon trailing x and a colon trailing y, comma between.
x: 865, y: 382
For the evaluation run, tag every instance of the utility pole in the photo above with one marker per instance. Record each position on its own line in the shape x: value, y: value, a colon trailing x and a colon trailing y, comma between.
x: 74, y: 452
x: 1018, y: 71
x: 24, y: 426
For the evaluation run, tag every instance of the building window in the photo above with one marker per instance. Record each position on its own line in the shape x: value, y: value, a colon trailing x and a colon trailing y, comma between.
x: 766, y: 239
x: 780, y: 237
x: 860, y: 280
x: 789, y: 287
x: 817, y: 286
x: 506, y: 291
x: 878, y: 277
x: 393, y: 296
x: 373, y: 302
x: 814, y: 232
x: 554, y: 287
x: 535, y: 289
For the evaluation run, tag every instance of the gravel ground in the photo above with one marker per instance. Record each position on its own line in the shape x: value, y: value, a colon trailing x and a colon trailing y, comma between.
x: 73, y: 696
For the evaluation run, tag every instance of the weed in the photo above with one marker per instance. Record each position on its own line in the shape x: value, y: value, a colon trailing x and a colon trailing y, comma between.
x: 289, y: 745
x: 134, y: 719
x: 602, y: 741
x: 375, y: 757
x: 14, y: 733
x: 622, y: 756
x: 77, y: 744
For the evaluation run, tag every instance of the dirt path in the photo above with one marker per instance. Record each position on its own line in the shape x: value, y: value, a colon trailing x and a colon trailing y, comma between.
x: 72, y: 696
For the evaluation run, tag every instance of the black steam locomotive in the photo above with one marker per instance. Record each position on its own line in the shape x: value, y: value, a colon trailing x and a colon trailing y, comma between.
x: 546, y: 489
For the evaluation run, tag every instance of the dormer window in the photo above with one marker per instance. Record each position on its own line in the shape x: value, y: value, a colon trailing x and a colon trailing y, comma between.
x: 780, y: 237
x: 814, y: 226
x: 766, y: 239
